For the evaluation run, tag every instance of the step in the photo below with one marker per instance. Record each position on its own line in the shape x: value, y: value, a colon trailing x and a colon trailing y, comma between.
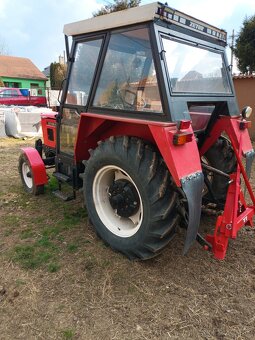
x: 61, y: 177
x: 63, y: 196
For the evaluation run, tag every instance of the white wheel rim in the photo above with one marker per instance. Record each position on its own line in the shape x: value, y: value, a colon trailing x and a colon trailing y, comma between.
x: 26, y: 173
x: 120, y: 226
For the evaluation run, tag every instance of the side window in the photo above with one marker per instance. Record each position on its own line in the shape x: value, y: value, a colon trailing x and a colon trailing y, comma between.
x: 8, y: 93
x: 82, y: 72
x: 128, y: 80
x: 14, y: 93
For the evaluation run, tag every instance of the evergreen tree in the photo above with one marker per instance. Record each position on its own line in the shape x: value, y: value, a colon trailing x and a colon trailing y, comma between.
x: 57, y: 75
x: 117, y: 5
x: 245, y: 46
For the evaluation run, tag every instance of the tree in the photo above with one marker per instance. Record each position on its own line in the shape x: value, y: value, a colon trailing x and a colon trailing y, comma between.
x: 57, y: 75
x: 3, y: 47
x: 117, y: 5
x: 245, y: 46
x: 1, y: 82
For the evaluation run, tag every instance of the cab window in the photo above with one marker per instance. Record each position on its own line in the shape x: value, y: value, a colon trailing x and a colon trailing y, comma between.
x: 82, y: 72
x: 128, y: 79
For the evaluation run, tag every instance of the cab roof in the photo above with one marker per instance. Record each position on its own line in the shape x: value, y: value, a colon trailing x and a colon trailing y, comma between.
x: 151, y: 12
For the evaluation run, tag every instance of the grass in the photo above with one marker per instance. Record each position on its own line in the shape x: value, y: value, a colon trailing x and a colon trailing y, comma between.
x: 53, y: 267
x: 72, y: 248
x: 40, y: 226
x: 29, y: 256
x: 68, y: 334
x: 11, y: 221
x: 52, y: 184
x: 41, y: 244
x: 27, y: 233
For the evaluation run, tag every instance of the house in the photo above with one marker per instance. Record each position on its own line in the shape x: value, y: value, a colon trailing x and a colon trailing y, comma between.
x: 245, y: 92
x: 22, y: 73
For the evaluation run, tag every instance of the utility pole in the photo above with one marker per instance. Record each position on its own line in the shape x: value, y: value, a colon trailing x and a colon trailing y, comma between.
x: 232, y: 37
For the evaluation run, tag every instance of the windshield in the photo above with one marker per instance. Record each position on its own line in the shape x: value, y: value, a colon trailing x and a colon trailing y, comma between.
x: 194, y: 69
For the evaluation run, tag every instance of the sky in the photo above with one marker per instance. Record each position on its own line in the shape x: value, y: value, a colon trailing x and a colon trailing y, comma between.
x: 34, y: 29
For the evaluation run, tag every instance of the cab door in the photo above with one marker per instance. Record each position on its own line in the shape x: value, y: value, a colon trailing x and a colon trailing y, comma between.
x: 83, y: 63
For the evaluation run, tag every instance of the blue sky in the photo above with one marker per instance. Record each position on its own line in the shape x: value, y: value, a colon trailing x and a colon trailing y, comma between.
x: 33, y: 29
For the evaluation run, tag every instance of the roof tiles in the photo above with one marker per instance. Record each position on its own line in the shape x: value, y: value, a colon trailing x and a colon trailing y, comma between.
x: 17, y: 67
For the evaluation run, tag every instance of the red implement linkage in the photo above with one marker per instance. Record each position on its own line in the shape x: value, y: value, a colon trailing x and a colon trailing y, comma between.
x: 237, y: 213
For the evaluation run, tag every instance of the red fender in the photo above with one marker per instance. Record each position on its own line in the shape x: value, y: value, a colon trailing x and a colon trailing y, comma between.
x: 230, y: 125
x: 37, y: 165
x: 183, y: 160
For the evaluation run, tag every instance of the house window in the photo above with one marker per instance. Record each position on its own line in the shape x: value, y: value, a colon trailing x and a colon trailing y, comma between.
x: 10, y: 84
x: 128, y: 80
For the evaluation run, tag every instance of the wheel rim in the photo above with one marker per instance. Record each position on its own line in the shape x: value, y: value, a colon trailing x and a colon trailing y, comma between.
x: 26, y: 173
x: 118, y: 225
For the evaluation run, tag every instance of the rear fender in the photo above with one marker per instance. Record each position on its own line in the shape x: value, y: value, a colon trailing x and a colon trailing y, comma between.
x: 232, y: 127
x: 37, y: 165
x: 183, y: 162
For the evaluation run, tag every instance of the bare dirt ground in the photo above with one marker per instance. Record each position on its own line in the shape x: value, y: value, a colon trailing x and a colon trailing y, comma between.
x: 59, y: 281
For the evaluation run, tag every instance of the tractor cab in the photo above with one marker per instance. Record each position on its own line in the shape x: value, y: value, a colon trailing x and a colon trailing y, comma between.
x: 159, y: 64
x: 146, y: 107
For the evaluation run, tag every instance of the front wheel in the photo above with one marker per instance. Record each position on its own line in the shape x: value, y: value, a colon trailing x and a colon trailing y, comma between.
x: 130, y: 198
x: 27, y: 178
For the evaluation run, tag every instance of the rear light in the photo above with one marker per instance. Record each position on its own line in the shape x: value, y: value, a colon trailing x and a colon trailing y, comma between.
x: 244, y: 124
x: 183, y: 124
x: 182, y: 138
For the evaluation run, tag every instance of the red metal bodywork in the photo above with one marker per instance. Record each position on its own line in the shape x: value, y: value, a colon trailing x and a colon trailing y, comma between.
x: 93, y: 128
x: 48, y: 122
x: 232, y: 128
x: 237, y: 213
x: 37, y: 165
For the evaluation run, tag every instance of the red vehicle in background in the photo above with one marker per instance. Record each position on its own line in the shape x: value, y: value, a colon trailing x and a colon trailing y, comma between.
x: 21, y: 97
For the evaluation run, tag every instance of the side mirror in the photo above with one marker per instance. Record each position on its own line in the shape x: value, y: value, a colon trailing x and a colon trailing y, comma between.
x: 246, y: 112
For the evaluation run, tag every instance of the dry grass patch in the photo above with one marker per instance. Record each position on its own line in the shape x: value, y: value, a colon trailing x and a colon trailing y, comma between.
x: 59, y: 281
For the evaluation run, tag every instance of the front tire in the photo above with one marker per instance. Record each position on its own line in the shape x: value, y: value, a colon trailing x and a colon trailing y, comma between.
x: 27, y: 178
x: 130, y: 198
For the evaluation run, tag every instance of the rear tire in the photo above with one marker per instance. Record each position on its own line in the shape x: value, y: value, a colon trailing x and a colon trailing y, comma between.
x: 222, y: 157
x: 130, y: 198
x: 27, y: 177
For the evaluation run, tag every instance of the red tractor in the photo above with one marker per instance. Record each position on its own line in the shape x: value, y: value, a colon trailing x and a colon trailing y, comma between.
x: 149, y: 128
